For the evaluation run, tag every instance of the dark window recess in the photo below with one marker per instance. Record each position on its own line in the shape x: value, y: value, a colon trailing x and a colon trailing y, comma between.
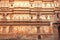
x: 11, y: 4
x: 59, y: 31
x: 39, y: 36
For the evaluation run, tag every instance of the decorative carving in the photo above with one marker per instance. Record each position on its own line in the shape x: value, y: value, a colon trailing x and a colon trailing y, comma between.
x: 11, y: 0
x: 48, y: 0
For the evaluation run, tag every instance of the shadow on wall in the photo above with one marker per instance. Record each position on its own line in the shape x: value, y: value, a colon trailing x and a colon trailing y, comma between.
x: 59, y: 31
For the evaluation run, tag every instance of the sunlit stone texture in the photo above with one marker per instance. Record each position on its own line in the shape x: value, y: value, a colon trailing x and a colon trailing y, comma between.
x: 30, y: 19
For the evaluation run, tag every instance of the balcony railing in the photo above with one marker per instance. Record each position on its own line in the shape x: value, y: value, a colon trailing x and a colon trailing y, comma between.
x: 25, y: 20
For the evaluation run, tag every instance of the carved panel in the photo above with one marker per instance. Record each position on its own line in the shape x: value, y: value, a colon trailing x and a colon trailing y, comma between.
x: 48, y: 0
x: 11, y: 0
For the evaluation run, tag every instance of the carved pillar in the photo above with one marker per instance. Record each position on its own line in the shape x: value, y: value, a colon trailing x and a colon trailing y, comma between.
x: 1, y: 29
x: 38, y: 28
x: 4, y: 29
x: 56, y: 17
x: 51, y: 25
x: 38, y: 14
x: 38, y: 33
x: 31, y: 17
x: 55, y: 31
x: 10, y: 17
x: 10, y: 29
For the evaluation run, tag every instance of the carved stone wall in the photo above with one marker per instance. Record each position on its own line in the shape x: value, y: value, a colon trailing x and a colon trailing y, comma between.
x: 55, y: 30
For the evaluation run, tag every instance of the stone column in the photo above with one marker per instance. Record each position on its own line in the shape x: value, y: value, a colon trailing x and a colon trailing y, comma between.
x: 10, y: 29
x: 1, y: 30
x: 11, y: 16
x: 38, y: 14
x: 4, y: 29
x: 55, y: 31
x: 51, y: 26
x: 38, y: 27
x: 56, y: 17
x: 38, y: 33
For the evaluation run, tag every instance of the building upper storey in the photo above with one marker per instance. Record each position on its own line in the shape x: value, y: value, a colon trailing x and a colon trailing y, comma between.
x: 18, y: 11
x: 29, y: 3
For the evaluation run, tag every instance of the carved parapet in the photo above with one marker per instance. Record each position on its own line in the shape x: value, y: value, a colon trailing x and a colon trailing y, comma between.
x: 5, y: 9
